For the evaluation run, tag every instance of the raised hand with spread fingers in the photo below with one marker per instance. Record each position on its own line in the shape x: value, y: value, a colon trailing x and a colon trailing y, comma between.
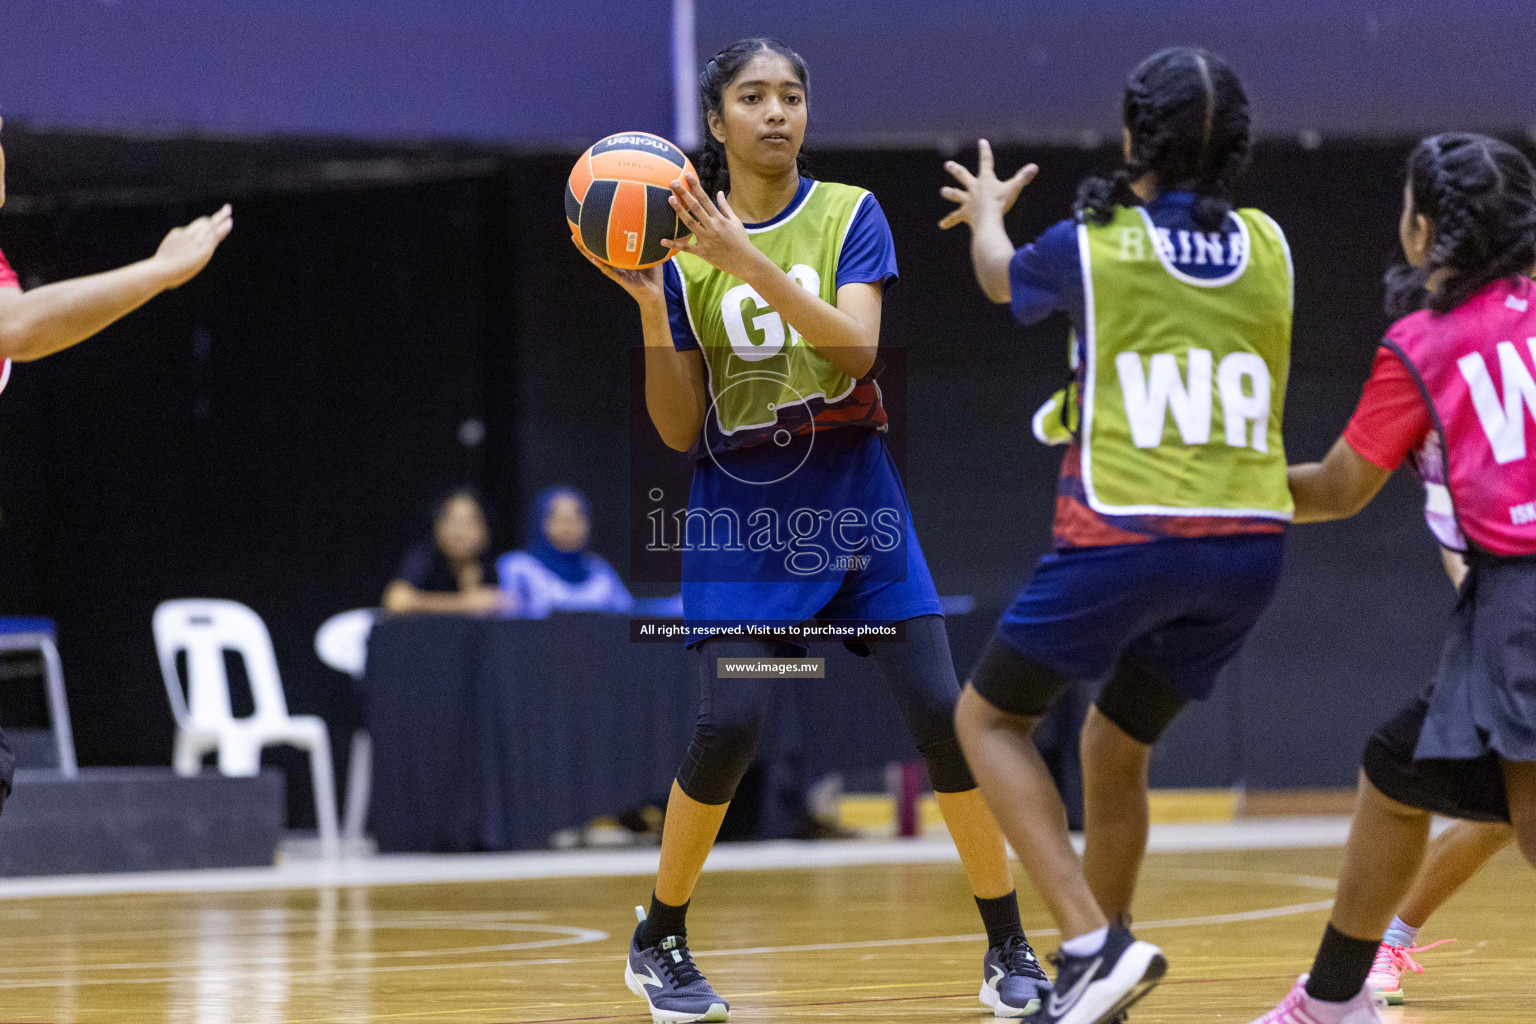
x: 981, y: 201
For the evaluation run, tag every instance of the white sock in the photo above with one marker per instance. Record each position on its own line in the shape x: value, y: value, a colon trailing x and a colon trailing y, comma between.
x: 1330, y: 1013
x: 1086, y: 945
x: 1400, y: 934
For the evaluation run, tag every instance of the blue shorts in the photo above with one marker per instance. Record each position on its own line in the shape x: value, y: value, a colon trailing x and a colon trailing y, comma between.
x: 838, y: 569
x: 1178, y: 609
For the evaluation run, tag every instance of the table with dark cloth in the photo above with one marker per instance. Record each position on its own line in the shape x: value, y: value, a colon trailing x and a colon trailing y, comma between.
x: 492, y: 734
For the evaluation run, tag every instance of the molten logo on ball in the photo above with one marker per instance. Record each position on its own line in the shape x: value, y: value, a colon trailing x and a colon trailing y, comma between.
x: 616, y: 201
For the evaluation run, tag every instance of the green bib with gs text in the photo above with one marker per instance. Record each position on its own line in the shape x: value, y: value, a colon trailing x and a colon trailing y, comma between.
x: 757, y: 362
x: 1184, y: 377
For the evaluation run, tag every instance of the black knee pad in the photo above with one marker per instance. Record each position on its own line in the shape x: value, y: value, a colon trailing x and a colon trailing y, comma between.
x: 1139, y: 702
x: 730, y: 724
x: 718, y: 756
x: 947, y: 769
x: 1014, y: 683
x: 1473, y: 789
x: 711, y: 772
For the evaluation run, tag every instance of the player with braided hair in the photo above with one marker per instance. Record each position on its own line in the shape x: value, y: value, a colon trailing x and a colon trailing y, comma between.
x: 760, y: 339
x: 722, y: 70
x: 1186, y: 119
x: 1169, y: 530
x: 1484, y: 229
x: 1453, y: 390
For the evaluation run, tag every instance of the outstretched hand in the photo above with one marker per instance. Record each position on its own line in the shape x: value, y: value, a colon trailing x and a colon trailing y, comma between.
x: 719, y: 237
x: 186, y: 250
x: 982, y: 194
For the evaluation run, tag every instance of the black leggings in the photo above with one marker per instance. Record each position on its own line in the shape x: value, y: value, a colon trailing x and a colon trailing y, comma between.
x: 919, y: 671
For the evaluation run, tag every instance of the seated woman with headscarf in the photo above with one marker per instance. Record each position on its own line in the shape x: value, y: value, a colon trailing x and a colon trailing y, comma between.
x: 556, y: 572
x: 450, y: 572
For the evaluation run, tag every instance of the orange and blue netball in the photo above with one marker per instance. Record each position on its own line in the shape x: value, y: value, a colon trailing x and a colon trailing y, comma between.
x: 616, y: 199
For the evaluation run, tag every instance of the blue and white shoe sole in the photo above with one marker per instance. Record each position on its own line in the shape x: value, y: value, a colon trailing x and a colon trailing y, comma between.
x: 1137, y: 973
x: 990, y: 997
x: 716, y: 1012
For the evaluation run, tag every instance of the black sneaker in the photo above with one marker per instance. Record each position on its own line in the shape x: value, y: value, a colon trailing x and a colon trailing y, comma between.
x: 674, y: 988
x: 1099, y: 988
x: 1013, y: 984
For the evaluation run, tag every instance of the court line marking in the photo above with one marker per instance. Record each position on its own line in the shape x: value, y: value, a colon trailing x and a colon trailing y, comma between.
x: 581, y: 936
x: 429, y: 869
x: 860, y: 1002
x: 1236, y: 917
x: 1241, y: 876
x: 301, y: 922
x: 570, y: 936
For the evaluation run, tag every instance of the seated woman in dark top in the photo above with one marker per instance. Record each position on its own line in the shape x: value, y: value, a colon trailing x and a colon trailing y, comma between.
x: 451, y: 572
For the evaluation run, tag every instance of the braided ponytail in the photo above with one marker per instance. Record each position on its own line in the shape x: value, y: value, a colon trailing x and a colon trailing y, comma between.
x: 718, y: 74
x: 1190, y: 126
x: 714, y: 176
x: 1480, y: 195
x: 1097, y: 197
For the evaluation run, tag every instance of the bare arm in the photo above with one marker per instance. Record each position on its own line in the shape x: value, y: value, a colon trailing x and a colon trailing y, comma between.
x: 675, y: 395
x: 991, y: 252
x: 1336, y: 488
x: 401, y: 598
x: 847, y: 334
x: 55, y: 316
x: 983, y: 200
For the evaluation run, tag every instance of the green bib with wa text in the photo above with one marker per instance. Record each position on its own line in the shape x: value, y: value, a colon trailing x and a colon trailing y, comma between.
x: 1184, y: 377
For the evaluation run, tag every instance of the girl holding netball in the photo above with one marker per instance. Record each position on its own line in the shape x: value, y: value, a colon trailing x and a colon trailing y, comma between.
x: 1172, y: 504
x: 760, y: 345
x: 1454, y: 387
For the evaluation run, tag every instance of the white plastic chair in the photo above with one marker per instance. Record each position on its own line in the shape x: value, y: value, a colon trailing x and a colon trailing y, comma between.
x: 342, y: 644
x: 205, y: 629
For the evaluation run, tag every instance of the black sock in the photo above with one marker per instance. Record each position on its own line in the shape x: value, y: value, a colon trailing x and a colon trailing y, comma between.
x: 1338, y: 973
x: 1001, y: 917
x: 663, y: 920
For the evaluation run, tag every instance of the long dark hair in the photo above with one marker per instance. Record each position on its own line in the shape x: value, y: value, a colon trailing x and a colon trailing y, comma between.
x: 718, y: 74
x: 1190, y: 123
x: 1480, y: 195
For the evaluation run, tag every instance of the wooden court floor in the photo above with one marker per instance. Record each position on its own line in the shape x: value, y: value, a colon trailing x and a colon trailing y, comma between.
x: 877, y: 943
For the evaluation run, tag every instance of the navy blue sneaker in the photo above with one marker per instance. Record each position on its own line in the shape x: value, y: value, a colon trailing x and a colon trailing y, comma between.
x: 664, y: 975
x: 1013, y: 982
x: 1099, y: 988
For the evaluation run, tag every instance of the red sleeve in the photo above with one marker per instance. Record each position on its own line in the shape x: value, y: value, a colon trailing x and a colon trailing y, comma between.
x: 7, y: 275
x: 1391, y: 419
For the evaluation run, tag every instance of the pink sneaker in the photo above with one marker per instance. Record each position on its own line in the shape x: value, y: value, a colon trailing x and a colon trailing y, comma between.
x: 1386, y: 974
x: 1300, y: 1008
